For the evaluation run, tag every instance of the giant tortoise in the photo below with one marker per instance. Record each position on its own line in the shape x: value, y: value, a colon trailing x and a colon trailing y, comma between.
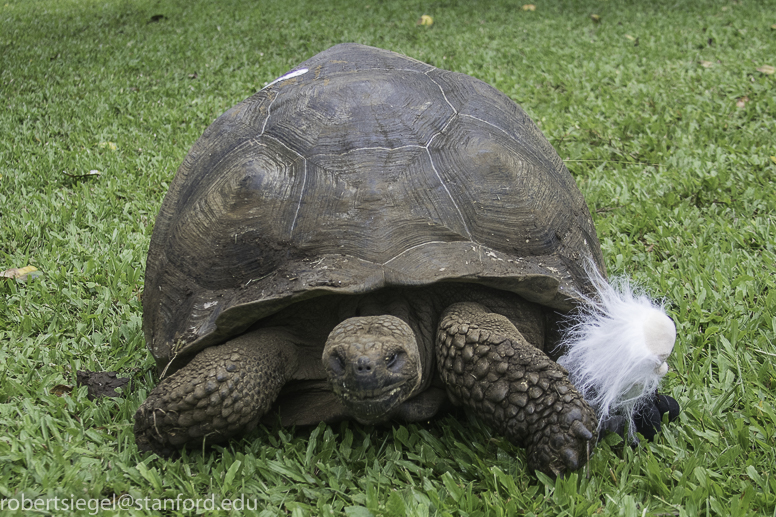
x: 370, y: 237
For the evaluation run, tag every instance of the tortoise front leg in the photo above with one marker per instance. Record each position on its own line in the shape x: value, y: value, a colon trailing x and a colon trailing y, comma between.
x: 222, y: 392
x: 489, y: 367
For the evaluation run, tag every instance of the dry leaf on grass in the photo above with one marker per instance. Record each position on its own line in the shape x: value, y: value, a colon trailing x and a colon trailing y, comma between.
x: 595, y: 18
x: 766, y: 69
x: 61, y: 389
x: 741, y: 101
x: 426, y: 21
x: 529, y: 7
x: 707, y: 64
x: 91, y: 174
x: 21, y: 274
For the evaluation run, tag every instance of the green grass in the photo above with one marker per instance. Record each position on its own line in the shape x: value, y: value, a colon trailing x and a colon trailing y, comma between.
x: 679, y: 178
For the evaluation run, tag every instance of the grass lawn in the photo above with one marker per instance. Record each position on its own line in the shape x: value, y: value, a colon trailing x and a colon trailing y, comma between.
x: 658, y: 108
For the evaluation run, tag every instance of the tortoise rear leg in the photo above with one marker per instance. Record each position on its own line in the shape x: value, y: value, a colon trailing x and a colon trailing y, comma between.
x: 489, y: 367
x: 222, y: 392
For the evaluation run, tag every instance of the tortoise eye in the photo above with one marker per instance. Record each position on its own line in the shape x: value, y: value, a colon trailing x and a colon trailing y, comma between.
x: 395, y: 360
x: 336, y: 364
x: 390, y: 359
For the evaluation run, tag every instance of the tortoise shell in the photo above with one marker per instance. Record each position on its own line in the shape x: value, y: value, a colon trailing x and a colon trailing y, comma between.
x: 360, y: 169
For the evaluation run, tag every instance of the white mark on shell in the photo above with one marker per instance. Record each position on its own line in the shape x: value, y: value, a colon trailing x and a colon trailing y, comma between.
x: 289, y: 75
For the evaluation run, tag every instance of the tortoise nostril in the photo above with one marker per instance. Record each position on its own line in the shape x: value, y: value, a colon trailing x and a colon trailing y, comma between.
x: 364, y: 365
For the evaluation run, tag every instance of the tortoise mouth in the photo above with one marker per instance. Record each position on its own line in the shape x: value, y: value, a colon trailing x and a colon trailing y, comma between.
x: 373, y: 395
x: 373, y: 365
x: 374, y: 406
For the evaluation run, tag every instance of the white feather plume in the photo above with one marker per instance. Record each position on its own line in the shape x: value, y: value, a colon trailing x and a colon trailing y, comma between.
x: 616, y: 347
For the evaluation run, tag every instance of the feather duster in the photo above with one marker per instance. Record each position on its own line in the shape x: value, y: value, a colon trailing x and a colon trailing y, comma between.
x: 616, y: 346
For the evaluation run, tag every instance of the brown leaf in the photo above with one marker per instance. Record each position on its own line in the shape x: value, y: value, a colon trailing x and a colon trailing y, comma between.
x: 741, y: 101
x: 706, y: 64
x: 529, y: 7
x: 595, y: 18
x: 61, y: 389
x: 766, y: 69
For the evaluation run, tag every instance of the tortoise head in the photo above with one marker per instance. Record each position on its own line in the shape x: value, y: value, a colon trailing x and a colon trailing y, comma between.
x: 373, y: 364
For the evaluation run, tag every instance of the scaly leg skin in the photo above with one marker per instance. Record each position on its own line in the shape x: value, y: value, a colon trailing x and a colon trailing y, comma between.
x: 489, y: 367
x: 222, y: 392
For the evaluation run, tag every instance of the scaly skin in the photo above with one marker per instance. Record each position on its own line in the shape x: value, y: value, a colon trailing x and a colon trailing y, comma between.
x: 489, y: 367
x: 222, y: 392
x: 483, y: 359
x: 373, y: 365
